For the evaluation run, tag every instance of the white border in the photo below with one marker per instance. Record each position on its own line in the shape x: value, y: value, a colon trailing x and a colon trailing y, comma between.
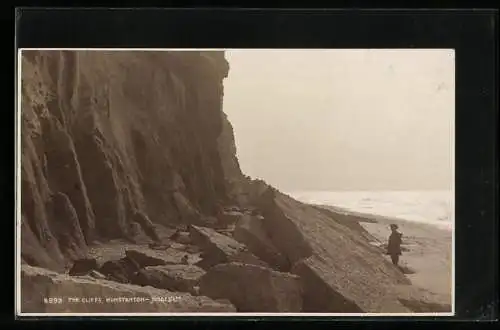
x: 18, y: 201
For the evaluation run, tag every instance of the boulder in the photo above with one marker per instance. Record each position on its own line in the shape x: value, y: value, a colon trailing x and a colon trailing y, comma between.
x: 81, y: 295
x: 253, y: 288
x: 218, y: 248
x: 251, y: 232
x: 182, y: 278
x: 339, y: 269
x: 147, y: 257
x: 181, y: 237
x: 83, y: 266
x: 122, y: 270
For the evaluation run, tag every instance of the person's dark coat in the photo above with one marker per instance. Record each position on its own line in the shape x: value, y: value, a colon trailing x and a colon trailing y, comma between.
x: 394, y: 245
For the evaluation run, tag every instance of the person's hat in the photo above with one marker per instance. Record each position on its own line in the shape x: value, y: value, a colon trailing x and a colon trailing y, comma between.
x: 394, y: 226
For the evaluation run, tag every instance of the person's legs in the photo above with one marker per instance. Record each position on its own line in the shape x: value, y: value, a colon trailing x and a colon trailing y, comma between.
x: 395, y: 259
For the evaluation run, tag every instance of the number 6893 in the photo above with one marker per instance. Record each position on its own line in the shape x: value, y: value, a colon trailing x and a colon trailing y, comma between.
x: 53, y: 300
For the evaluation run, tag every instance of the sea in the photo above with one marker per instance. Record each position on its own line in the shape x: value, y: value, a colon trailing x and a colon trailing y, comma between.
x: 430, y: 207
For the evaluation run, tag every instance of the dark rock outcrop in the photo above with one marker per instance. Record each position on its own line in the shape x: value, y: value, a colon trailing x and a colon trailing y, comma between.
x: 253, y: 288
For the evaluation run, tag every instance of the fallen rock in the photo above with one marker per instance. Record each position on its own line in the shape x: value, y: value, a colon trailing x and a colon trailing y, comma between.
x: 181, y: 237
x: 83, y: 266
x: 218, y: 248
x: 122, y: 270
x: 253, y: 288
x: 339, y: 269
x: 284, y: 225
x: 148, y: 257
x: 209, y: 239
x: 182, y: 278
x: 38, y: 284
x: 251, y: 232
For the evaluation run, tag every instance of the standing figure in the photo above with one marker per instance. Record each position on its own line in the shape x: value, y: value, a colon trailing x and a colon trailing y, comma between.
x: 394, y: 245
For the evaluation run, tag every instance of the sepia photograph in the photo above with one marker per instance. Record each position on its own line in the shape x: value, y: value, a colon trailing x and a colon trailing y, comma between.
x: 227, y: 182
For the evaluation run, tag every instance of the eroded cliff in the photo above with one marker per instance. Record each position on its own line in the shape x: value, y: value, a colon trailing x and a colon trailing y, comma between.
x: 110, y: 138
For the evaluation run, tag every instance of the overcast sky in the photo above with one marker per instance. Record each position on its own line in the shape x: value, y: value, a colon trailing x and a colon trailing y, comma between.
x: 343, y: 119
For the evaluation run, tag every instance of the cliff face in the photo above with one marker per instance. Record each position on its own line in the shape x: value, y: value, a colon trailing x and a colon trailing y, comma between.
x: 110, y: 138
